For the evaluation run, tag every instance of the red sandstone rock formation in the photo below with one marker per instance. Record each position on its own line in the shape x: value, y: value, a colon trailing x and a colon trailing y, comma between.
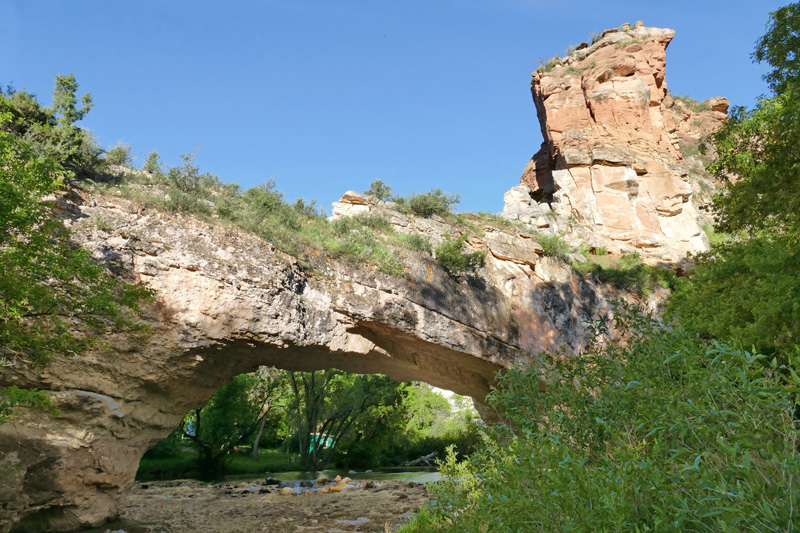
x: 610, y: 168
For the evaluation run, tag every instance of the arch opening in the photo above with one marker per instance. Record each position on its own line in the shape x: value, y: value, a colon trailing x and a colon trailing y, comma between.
x: 274, y: 420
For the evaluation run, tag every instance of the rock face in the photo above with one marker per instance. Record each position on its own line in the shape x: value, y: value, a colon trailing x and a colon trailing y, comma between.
x: 611, y: 170
x: 228, y: 302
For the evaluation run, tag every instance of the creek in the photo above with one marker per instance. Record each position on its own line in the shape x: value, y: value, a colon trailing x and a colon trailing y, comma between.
x: 405, y: 473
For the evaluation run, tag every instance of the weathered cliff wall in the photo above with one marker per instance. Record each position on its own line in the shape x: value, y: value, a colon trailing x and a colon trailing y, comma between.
x: 611, y: 171
x: 228, y: 302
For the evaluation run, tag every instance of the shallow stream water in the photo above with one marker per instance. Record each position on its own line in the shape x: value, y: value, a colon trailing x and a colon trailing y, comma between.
x: 418, y: 475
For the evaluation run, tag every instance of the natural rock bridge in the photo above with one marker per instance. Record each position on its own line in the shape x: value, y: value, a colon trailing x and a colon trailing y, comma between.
x: 611, y: 173
x: 228, y: 302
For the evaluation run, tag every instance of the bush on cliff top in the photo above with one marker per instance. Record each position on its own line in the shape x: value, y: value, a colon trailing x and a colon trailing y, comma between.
x: 433, y: 202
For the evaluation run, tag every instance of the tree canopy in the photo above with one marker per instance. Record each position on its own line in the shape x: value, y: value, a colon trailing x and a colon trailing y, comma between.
x: 756, y: 150
x: 329, y: 404
x: 54, y: 297
x: 52, y: 131
x: 748, y: 288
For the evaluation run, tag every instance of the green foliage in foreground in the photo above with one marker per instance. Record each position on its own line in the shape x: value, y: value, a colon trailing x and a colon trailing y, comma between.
x: 451, y: 256
x: 662, y: 433
x: 748, y: 291
x: 54, y: 298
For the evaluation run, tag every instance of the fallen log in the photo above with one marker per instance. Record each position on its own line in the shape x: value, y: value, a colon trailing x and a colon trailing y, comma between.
x: 424, y: 460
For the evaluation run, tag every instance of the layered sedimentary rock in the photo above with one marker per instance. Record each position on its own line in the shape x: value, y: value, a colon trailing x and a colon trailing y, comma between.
x: 611, y: 171
x: 228, y: 302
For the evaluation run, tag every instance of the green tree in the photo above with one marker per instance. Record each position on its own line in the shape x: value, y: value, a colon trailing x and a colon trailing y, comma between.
x: 426, y: 410
x: 759, y: 146
x: 748, y: 288
x: 328, y: 404
x: 273, y: 390
x: 152, y: 164
x: 779, y: 47
x: 380, y: 190
x: 65, y: 101
x: 72, y: 146
x: 54, y: 298
x: 232, y: 415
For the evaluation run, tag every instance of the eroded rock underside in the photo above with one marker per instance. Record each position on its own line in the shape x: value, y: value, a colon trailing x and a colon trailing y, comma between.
x: 228, y: 302
x: 619, y: 164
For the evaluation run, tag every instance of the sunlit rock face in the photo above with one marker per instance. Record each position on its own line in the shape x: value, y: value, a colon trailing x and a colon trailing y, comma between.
x: 612, y: 171
x: 228, y: 302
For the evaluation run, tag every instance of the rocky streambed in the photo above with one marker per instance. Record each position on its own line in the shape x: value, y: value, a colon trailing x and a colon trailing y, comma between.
x: 323, y: 506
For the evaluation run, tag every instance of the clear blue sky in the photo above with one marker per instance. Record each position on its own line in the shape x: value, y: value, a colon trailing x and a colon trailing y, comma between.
x: 329, y: 95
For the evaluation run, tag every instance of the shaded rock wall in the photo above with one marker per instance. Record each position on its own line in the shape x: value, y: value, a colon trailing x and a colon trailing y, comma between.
x: 611, y: 170
x: 228, y: 302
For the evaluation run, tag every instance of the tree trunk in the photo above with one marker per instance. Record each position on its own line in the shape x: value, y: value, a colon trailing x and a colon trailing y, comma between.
x: 258, y: 437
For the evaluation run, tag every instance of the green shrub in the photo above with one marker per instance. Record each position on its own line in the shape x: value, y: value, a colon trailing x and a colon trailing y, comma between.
x: 307, y: 209
x: 691, y: 103
x: 380, y: 190
x: 630, y: 274
x: 553, y: 246
x: 180, y: 201
x: 546, y: 65
x: 658, y: 433
x: 360, y: 237
x: 413, y: 241
x: 433, y: 202
x: 450, y: 255
x: 119, y: 155
x: 187, y: 177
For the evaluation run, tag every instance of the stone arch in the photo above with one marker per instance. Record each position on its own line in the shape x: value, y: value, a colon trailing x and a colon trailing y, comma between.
x: 228, y: 302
